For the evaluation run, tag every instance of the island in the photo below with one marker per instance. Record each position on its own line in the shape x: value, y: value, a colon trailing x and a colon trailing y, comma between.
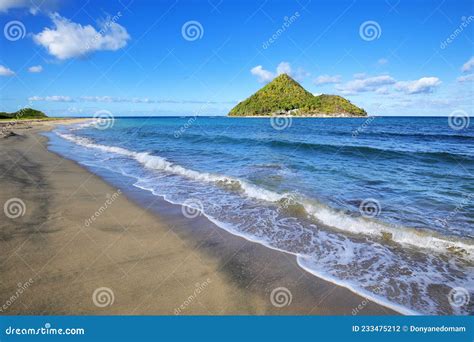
x: 286, y: 97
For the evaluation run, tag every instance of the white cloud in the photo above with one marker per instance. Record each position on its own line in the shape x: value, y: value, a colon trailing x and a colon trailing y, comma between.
x: 423, y: 85
x: 69, y: 39
x: 365, y: 84
x: 35, y: 68
x: 112, y: 99
x: 326, y: 79
x: 467, y: 78
x: 360, y: 75
x: 6, y: 5
x: 382, y: 91
x: 4, y: 71
x: 299, y: 74
x: 468, y: 65
x: 284, y: 68
x: 33, y: 6
x: 54, y: 98
x: 263, y: 75
x: 382, y: 61
x: 99, y: 99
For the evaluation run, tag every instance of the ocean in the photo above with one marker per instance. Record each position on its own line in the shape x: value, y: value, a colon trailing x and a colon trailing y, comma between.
x: 380, y: 205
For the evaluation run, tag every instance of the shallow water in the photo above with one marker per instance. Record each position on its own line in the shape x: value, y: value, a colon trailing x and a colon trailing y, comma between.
x: 383, y: 206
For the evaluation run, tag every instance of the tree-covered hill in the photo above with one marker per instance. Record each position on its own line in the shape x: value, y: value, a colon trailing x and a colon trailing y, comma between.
x: 285, y: 96
x: 25, y: 113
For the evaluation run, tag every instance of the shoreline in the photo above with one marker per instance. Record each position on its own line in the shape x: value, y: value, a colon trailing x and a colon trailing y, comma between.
x: 242, y: 273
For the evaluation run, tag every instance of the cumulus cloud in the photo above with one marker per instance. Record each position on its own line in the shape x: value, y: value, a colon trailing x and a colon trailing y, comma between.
x: 326, y: 79
x: 365, y: 84
x: 263, y: 75
x: 110, y: 99
x: 35, y: 69
x: 68, y: 39
x: 284, y: 68
x: 113, y: 99
x: 467, y: 78
x: 468, y: 65
x: 54, y: 98
x: 4, y: 71
x: 360, y: 75
x: 382, y: 91
x: 423, y: 85
x: 32, y: 5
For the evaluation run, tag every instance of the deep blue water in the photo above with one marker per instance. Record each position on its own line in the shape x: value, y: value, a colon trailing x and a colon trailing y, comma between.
x: 383, y: 206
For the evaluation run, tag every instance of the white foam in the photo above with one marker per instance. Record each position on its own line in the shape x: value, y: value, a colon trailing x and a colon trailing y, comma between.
x: 371, y: 227
x: 358, y: 266
x: 329, y: 217
x: 159, y: 163
x: 355, y: 288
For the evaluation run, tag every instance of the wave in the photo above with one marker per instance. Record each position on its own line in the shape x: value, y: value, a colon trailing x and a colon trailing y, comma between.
x: 295, y: 204
x: 159, y: 163
x: 436, y: 137
x: 367, y: 150
x: 325, y: 147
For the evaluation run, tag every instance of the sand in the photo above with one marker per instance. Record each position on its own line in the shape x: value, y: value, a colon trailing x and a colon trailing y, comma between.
x: 83, y: 246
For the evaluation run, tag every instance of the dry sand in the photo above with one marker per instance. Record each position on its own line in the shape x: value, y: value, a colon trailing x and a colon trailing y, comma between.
x: 139, y: 255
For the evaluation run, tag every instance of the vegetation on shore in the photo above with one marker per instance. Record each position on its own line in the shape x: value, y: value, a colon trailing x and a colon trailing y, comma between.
x: 25, y: 113
x: 285, y: 96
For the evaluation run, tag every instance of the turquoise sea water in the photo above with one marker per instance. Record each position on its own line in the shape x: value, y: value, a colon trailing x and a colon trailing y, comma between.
x: 383, y: 206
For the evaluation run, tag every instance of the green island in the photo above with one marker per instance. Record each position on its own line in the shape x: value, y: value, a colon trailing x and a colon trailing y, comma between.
x: 23, y: 114
x: 284, y: 96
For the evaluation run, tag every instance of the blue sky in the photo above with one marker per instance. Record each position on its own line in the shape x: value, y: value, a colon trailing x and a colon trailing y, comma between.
x: 137, y: 57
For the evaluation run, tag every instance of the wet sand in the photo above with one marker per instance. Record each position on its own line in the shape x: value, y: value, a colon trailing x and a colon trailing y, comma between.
x: 82, y: 246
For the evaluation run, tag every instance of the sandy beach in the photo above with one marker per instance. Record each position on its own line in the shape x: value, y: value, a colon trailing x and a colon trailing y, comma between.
x: 80, y: 246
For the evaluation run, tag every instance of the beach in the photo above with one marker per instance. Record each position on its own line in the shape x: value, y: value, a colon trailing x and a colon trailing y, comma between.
x: 80, y: 246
